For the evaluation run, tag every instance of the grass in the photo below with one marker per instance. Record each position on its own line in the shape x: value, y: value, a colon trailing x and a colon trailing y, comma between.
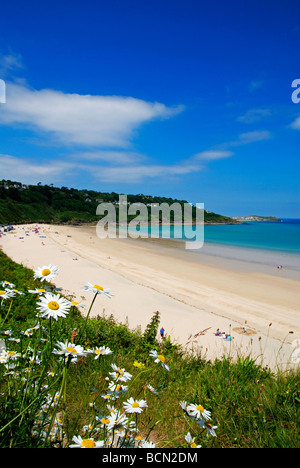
x: 251, y: 406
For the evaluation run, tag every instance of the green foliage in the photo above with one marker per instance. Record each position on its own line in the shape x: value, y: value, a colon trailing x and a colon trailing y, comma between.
x: 252, y: 406
x: 151, y: 330
x: 49, y: 204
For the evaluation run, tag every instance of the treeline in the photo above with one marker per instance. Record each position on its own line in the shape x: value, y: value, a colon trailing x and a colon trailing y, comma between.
x: 20, y: 203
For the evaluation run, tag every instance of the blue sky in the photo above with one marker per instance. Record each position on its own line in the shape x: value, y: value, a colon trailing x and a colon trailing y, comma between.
x: 186, y: 99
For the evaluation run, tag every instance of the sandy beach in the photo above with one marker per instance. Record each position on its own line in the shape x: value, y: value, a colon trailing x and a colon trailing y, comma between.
x: 196, y: 292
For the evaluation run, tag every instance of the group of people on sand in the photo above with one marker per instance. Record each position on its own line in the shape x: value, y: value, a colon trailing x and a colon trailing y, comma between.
x: 225, y: 336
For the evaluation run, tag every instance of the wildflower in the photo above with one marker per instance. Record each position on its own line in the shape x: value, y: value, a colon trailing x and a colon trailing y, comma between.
x: 120, y: 374
x: 86, y: 443
x: 147, y: 444
x: 152, y: 389
x: 46, y: 273
x: 134, y: 406
x: 139, y: 365
x: 100, y: 351
x: 69, y: 349
x: 159, y: 358
x: 191, y: 441
x: 38, y: 291
x: 12, y: 355
x: 6, y: 284
x: 198, y: 412
x: 210, y: 429
x: 96, y: 289
x: 6, y: 293
x: 52, y: 305
x: 77, y: 304
x: 116, y: 390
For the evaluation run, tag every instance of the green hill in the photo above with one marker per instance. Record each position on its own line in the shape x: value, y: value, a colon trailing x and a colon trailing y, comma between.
x: 20, y: 203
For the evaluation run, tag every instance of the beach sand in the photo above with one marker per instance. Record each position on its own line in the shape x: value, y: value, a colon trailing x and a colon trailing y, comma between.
x: 196, y: 292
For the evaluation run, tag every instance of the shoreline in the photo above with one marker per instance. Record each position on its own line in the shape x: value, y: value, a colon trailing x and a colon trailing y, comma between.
x: 194, y: 292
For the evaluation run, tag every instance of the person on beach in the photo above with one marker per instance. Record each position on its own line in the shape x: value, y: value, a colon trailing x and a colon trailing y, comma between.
x: 162, y: 332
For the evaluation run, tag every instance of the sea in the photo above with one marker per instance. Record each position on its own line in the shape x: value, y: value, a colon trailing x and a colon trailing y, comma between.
x: 281, y: 236
x: 266, y: 242
x: 277, y: 236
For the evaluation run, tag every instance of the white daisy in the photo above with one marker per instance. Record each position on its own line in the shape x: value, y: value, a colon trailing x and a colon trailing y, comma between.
x: 159, y: 358
x: 6, y: 284
x: 38, y: 291
x: 52, y: 305
x: 134, y: 406
x: 100, y: 351
x: 152, y: 389
x: 69, y: 349
x: 86, y: 443
x: 191, y: 441
x: 6, y: 293
x: 46, y: 273
x: 210, y: 429
x: 147, y: 444
x: 96, y: 289
x: 120, y: 374
x: 198, y: 412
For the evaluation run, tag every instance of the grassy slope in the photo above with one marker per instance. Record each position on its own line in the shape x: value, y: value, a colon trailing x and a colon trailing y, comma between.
x: 251, y: 406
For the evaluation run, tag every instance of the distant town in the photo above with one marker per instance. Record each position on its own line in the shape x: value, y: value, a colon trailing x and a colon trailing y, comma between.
x: 255, y: 218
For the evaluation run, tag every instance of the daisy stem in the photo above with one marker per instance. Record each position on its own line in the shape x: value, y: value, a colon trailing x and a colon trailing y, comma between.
x: 50, y: 324
x: 87, y: 316
x: 1, y: 323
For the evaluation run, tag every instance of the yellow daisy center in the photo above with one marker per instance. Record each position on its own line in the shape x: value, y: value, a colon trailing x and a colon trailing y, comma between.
x: 46, y: 272
x: 200, y: 408
x: 193, y: 445
x: 161, y: 358
x: 105, y: 420
x: 11, y: 353
x: 41, y: 290
x: 88, y: 443
x: 135, y: 404
x: 96, y: 286
x: 2, y: 293
x: 53, y: 305
x: 71, y: 350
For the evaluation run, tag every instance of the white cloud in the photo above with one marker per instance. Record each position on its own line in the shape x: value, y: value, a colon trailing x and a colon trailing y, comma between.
x: 254, y: 115
x: 109, y: 156
x: 296, y: 124
x: 54, y: 171
x: 9, y: 62
x: 30, y: 172
x: 99, y: 121
x: 141, y: 173
x: 212, y: 155
x: 249, y: 137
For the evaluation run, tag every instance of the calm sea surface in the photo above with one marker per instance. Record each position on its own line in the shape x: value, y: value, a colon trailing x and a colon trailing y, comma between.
x: 280, y: 236
x: 276, y: 236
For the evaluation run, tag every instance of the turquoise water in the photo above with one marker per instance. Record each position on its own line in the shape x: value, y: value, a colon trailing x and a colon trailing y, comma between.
x: 278, y: 236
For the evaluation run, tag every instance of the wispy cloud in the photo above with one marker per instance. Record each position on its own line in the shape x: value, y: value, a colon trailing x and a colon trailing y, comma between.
x: 254, y: 85
x: 247, y: 138
x: 27, y: 171
x: 30, y: 172
x: 73, y: 119
x: 296, y: 124
x: 254, y: 115
x: 9, y: 62
x: 213, y: 155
